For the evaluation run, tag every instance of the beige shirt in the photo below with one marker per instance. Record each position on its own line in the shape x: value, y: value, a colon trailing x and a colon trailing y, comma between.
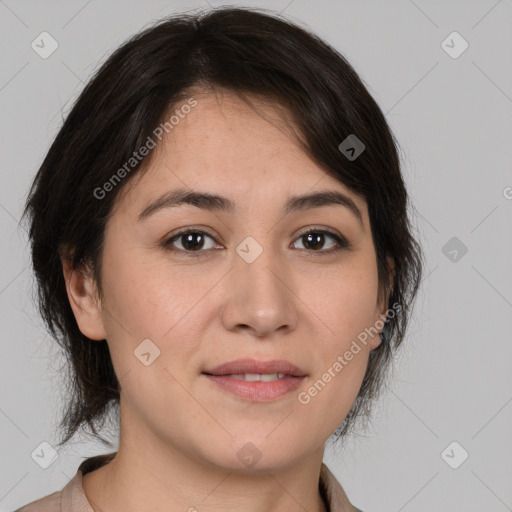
x: 73, y: 499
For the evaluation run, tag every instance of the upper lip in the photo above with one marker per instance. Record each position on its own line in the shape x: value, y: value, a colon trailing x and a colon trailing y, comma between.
x: 241, y: 366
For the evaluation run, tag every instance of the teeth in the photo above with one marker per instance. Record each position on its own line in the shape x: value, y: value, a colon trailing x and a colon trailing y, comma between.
x: 253, y: 377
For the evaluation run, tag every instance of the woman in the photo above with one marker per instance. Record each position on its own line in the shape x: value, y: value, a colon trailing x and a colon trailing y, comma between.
x: 222, y: 247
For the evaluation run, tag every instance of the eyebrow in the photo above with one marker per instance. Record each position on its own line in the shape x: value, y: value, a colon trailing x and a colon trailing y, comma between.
x: 214, y: 202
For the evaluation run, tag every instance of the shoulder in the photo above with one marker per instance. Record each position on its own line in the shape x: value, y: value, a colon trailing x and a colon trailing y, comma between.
x: 72, y: 497
x: 50, y: 503
x: 334, y: 493
x: 64, y: 500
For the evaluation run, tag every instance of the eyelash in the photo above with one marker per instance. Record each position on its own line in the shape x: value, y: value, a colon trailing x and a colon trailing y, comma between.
x: 342, y: 243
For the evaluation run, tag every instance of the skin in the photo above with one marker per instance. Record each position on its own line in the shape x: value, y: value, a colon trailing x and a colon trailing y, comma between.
x: 180, y: 433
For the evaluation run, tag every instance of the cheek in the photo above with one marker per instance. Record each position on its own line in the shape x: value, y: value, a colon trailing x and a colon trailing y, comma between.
x: 346, y: 309
x: 158, y: 302
x: 332, y: 390
x: 345, y: 302
x: 149, y: 300
x: 339, y: 372
x: 143, y: 306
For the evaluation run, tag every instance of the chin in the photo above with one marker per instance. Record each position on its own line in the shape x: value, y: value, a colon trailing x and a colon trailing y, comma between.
x: 253, y: 453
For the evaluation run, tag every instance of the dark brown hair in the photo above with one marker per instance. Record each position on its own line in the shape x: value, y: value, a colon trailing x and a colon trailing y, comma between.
x: 248, y: 52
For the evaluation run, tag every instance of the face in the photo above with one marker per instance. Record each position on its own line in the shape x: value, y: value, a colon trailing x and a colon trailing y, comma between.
x: 242, y: 283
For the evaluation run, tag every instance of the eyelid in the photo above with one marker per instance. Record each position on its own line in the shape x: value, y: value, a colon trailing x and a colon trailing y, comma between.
x: 318, y: 229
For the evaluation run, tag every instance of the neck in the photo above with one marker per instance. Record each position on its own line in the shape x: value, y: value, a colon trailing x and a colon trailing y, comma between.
x: 148, y: 475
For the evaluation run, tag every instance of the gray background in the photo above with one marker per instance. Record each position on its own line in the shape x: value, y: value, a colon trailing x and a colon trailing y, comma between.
x: 452, y: 116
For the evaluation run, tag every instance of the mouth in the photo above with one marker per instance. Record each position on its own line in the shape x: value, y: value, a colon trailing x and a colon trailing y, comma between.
x: 253, y: 367
x: 255, y: 377
x: 257, y: 381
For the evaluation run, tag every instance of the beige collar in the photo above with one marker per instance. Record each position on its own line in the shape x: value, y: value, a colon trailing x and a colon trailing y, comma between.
x: 75, y: 500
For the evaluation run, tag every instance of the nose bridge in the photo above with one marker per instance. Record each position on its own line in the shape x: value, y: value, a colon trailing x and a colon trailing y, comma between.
x: 260, y: 296
x: 258, y: 265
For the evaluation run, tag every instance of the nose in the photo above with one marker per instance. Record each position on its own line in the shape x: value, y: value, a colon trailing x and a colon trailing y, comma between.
x: 259, y: 296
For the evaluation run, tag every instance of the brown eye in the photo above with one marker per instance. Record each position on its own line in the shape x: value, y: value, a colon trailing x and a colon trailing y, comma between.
x: 190, y: 241
x: 315, y: 239
x: 195, y: 241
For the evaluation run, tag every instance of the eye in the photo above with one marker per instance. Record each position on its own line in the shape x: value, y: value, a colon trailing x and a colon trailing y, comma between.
x: 191, y: 240
x: 314, y: 238
x: 194, y: 241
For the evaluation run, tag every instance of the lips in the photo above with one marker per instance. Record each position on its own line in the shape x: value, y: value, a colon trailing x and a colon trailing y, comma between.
x: 256, y: 381
x: 254, y: 367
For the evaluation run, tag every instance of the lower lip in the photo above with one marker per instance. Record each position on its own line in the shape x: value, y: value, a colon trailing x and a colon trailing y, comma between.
x: 257, y: 391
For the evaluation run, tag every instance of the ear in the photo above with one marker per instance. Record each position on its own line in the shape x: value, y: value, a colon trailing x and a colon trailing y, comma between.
x: 84, y: 300
x: 382, y: 305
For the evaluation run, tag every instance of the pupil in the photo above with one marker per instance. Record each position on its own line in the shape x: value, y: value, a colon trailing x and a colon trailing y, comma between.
x: 311, y: 240
x: 189, y: 244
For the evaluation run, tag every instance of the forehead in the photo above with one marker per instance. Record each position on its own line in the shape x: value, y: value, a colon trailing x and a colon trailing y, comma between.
x: 227, y: 147
x: 223, y: 132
